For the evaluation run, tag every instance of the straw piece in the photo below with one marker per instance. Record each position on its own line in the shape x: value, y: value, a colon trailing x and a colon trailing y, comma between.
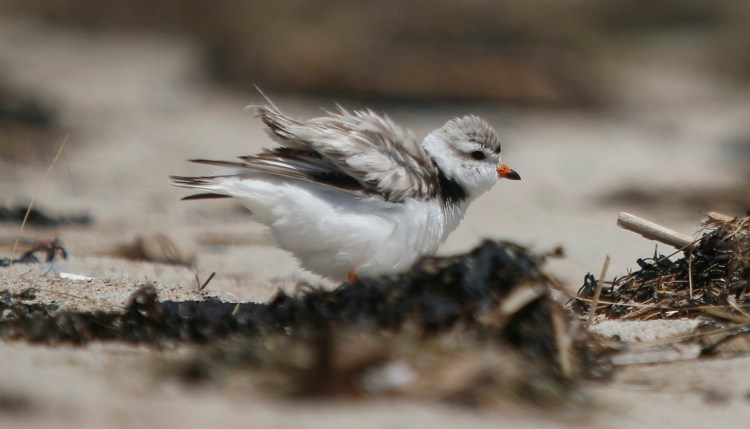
x: 653, y: 231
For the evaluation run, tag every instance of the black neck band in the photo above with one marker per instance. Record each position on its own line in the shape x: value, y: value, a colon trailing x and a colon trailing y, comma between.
x: 450, y: 191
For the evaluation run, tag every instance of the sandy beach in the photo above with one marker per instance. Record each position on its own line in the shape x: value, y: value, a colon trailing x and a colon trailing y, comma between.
x: 135, y: 107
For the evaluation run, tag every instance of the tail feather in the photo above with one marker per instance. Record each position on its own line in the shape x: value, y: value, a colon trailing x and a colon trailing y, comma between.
x: 205, y: 196
x: 209, y: 184
x: 229, y: 164
x: 192, y: 181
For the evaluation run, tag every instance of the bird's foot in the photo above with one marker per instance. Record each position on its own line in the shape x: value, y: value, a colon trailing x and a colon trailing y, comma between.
x: 352, y: 277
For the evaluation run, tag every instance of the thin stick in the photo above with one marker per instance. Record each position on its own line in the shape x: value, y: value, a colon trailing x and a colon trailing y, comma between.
x: 653, y: 231
x: 70, y: 176
x: 31, y: 203
x: 203, y: 286
x: 597, y: 293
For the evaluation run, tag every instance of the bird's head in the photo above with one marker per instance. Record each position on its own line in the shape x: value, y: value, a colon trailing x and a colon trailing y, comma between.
x: 467, y: 151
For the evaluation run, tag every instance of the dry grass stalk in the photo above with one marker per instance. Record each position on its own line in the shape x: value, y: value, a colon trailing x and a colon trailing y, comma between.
x: 208, y: 280
x: 597, y: 293
x: 33, y: 200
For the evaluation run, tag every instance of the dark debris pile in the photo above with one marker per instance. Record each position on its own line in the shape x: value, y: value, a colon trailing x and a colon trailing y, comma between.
x: 436, y: 294
x: 143, y: 320
x: 40, y: 218
x: 50, y: 248
x: 718, y: 267
x: 477, y: 312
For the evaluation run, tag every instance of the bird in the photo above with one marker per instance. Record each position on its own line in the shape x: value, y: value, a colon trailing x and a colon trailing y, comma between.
x: 352, y: 194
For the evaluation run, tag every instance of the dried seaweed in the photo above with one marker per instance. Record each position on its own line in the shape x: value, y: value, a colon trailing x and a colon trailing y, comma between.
x: 473, y: 330
x: 437, y: 294
x: 143, y: 320
x: 712, y: 273
x: 468, y: 328
x: 40, y: 218
x: 51, y: 249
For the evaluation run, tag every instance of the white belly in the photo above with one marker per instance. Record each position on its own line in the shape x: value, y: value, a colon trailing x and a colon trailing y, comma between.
x: 333, y: 234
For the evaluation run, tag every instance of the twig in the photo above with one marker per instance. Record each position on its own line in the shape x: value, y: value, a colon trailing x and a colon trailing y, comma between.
x: 654, y: 232
x: 598, y: 291
x: 203, y: 286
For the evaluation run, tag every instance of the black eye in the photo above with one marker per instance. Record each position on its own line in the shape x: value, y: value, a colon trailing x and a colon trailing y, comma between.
x: 478, y: 155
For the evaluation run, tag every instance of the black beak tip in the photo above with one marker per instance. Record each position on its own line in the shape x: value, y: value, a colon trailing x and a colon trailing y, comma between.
x: 513, y: 176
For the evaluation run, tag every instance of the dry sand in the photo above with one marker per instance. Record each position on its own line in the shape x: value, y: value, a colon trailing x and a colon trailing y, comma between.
x: 137, y: 106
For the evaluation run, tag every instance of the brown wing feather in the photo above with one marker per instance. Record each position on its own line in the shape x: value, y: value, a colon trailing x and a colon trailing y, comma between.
x: 358, y: 152
x: 206, y: 196
x: 302, y: 165
x: 372, y: 150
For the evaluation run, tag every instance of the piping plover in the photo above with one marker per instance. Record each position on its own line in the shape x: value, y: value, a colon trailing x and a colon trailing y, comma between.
x: 352, y: 193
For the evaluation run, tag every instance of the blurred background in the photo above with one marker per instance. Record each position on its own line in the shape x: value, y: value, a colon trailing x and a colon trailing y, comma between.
x: 539, y: 53
x: 635, y: 105
x: 602, y: 106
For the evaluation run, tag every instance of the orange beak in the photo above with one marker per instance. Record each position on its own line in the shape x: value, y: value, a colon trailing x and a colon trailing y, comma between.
x: 505, y: 172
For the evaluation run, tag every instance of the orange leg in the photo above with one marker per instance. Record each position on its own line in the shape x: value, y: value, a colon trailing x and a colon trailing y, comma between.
x: 352, y: 277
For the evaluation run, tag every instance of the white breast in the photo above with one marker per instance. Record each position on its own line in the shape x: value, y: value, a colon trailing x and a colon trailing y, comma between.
x: 333, y: 233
